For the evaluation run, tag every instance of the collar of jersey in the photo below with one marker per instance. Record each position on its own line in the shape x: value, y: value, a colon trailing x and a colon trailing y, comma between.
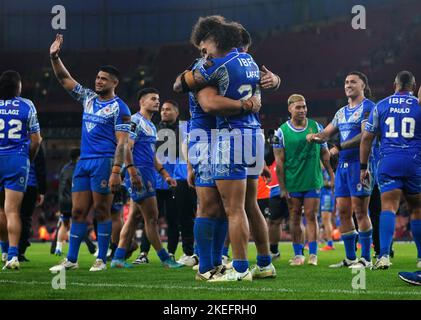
x: 106, y: 101
x: 403, y: 93
x: 289, y: 123
x: 356, y: 107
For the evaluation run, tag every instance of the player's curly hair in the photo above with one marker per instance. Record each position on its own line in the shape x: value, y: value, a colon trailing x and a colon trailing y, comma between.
x: 226, y: 35
x: 245, y: 35
x: 9, y: 84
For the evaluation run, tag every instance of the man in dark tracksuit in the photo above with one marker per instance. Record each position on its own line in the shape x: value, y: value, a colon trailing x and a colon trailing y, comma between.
x: 34, y: 196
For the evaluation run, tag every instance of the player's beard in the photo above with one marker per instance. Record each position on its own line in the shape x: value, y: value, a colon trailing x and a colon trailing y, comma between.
x: 102, y: 92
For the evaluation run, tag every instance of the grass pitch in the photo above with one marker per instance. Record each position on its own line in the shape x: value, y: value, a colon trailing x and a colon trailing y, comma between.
x: 153, y: 282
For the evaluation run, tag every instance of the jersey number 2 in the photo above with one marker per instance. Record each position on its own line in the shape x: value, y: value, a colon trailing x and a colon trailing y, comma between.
x: 407, y: 128
x: 15, y: 126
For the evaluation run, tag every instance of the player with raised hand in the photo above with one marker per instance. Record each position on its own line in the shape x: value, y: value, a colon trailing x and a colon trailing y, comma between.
x: 397, y: 120
x: 142, y: 164
x: 351, y: 195
x: 20, y: 140
x: 105, y: 131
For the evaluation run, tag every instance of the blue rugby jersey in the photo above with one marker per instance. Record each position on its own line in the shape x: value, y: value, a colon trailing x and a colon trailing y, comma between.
x: 348, y: 121
x: 236, y: 76
x: 18, y: 119
x: 100, y: 121
x: 144, y: 133
x: 397, y: 119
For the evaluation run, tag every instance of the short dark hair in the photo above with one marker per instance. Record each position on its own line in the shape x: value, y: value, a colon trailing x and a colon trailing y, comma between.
x: 111, y: 70
x: 74, y: 154
x: 405, y: 79
x: 146, y: 91
x: 226, y: 35
x: 363, y: 77
x: 245, y: 35
x: 9, y: 84
x: 174, y: 103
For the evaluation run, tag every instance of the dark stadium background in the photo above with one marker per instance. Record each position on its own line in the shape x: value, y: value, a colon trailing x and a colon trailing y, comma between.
x: 309, y: 43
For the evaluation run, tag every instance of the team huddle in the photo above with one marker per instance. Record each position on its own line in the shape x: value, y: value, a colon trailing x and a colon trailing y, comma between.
x: 224, y: 148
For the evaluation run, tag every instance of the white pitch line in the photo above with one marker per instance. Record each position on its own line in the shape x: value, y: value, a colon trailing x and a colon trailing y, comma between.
x: 197, y: 288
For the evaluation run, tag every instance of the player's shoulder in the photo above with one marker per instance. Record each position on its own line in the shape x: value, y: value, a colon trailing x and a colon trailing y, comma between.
x: 369, y: 103
x: 123, y: 107
x: 27, y: 103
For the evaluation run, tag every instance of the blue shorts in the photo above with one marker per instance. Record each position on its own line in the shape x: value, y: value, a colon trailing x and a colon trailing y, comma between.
x: 347, y: 181
x: 200, y: 160
x: 238, y: 154
x: 14, y: 171
x: 327, y: 201
x: 400, y: 173
x: 315, y: 193
x: 92, y: 175
x: 148, y: 178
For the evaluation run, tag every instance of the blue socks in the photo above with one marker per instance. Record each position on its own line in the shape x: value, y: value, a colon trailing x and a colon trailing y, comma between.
x: 365, y: 240
x: 312, y: 247
x: 120, y: 254
x: 298, y: 249
x: 104, y: 236
x: 204, y: 235
x: 416, y: 234
x: 163, y: 254
x: 219, y: 235
x: 387, y: 228
x: 77, y: 233
x: 263, y: 261
x: 240, y: 265
x: 349, y: 244
x: 4, y: 246
x: 13, y: 252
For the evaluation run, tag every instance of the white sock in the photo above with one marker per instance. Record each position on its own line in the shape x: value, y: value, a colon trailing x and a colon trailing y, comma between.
x: 59, y: 246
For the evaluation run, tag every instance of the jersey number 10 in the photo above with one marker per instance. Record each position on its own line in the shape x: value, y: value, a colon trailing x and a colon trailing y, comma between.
x: 15, y: 126
x: 407, y: 128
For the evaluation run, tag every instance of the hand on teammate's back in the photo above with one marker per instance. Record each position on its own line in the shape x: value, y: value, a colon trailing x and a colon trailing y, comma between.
x: 268, y: 80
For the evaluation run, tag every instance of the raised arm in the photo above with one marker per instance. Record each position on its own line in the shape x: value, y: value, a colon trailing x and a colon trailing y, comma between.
x: 62, y: 75
x: 218, y: 105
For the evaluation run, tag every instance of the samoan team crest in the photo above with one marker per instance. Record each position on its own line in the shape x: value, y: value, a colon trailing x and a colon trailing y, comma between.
x: 106, y: 112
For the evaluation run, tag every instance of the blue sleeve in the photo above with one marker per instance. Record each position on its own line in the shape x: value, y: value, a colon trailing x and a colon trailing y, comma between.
x: 335, y: 120
x: 278, y: 139
x: 367, y: 110
x: 134, y: 125
x: 81, y: 94
x: 324, y: 144
x: 120, y: 123
x: 33, y: 124
x: 372, y: 124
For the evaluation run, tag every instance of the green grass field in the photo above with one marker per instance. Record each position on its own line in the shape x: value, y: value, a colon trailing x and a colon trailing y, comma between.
x: 153, y: 282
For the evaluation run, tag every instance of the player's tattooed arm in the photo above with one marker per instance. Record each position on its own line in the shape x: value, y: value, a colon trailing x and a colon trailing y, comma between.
x: 189, y: 80
x: 34, y: 145
x: 218, y: 105
x: 365, y: 148
x: 115, y: 177
x: 60, y: 71
x: 325, y: 156
x: 280, y: 173
x: 269, y: 80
